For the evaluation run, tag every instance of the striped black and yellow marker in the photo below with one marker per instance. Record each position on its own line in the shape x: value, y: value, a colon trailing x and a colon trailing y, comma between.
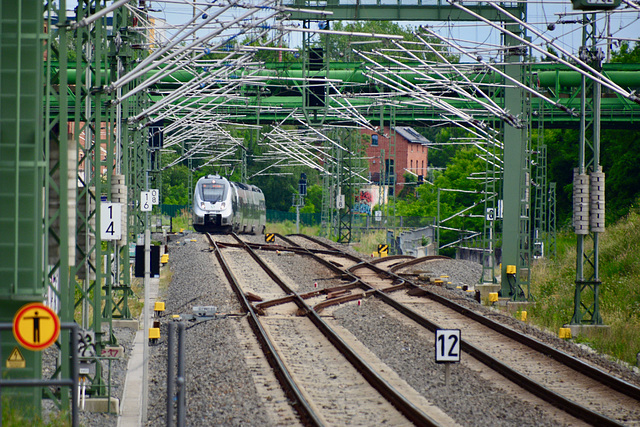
x: 383, y: 250
x: 270, y: 237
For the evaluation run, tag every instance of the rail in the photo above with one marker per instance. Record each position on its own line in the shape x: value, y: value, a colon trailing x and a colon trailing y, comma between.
x: 551, y: 397
x: 408, y: 409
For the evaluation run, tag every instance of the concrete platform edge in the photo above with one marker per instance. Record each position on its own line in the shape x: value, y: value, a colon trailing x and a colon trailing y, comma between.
x: 130, y: 408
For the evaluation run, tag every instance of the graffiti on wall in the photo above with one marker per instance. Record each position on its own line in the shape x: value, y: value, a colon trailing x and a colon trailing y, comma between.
x: 363, y: 202
x: 367, y: 198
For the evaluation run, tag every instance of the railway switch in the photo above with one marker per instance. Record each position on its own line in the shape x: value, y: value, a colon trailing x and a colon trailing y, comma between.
x: 493, y: 297
x: 205, y: 311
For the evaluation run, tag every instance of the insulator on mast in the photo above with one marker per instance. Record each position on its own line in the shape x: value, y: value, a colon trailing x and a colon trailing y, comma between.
x: 119, y: 195
x: 596, y: 196
x: 580, y: 203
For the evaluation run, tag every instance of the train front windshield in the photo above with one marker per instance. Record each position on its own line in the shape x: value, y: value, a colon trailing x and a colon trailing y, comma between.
x: 213, y: 192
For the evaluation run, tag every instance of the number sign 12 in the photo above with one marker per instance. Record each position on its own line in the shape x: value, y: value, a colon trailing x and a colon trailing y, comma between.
x: 110, y: 221
x: 447, y: 345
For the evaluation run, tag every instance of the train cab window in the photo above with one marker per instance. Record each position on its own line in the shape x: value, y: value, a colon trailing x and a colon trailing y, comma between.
x: 213, y: 192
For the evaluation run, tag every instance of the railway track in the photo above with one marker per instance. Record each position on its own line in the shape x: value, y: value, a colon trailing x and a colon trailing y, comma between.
x: 581, y: 390
x: 328, y: 381
x: 337, y: 288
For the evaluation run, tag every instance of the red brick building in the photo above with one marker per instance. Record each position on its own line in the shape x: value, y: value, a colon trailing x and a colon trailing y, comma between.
x: 411, y: 155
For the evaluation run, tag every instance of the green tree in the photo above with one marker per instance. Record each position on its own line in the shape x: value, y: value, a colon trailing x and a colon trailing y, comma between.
x: 340, y: 46
x: 440, y: 156
x: 455, y: 176
x: 174, y: 182
x: 627, y: 55
x: 314, y: 197
x: 619, y: 158
x: 269, y: 55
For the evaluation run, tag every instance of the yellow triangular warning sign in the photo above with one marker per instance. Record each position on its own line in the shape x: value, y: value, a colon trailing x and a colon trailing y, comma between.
x: 16, y: 356
x: 16, y: 359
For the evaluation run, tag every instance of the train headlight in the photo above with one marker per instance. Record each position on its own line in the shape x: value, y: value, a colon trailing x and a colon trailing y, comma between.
x: 223, y: 205
x: 202, y: 205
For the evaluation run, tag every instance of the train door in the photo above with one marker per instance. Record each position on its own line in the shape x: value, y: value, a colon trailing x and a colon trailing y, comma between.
x: 235, y: 206
x: 252, y: 209
x: 242, y: 212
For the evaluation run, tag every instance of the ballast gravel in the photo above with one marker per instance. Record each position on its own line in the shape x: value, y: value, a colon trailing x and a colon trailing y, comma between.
x: 219, y: 389
x: 113, y: 376
x: 469, y: 400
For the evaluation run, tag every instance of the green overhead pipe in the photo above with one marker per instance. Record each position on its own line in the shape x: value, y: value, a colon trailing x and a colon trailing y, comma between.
x: 574, y: 79
x: 552, y: 76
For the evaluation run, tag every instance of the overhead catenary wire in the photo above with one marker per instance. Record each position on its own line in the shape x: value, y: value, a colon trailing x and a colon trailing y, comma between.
x: 591, y: 73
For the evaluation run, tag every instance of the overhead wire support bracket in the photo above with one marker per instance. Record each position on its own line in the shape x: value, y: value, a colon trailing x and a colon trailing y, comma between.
x: 584, y: 68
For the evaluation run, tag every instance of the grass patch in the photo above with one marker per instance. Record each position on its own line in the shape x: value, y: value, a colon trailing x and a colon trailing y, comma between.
x: 289, y: 227
x: 365, y: 243
x: 553, y: 286
x: 182, y: 221
x: 166, y: 275
x: 13, y: 415
x: 135, y: 302
x: 369, y: 241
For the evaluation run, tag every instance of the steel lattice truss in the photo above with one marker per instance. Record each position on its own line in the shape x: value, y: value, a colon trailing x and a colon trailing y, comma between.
x: 197, y: 68
x: 201, y: 99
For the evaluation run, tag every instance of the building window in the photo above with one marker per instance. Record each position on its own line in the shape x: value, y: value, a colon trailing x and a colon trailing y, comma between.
x: 411, y: 168
x: 374, y: 140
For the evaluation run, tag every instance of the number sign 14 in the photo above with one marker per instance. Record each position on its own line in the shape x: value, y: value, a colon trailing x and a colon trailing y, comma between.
x: 447, y: 345
x: 110, y: 221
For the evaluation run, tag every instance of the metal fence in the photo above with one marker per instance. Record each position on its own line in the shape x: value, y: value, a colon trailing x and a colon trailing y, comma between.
x: 172, y: 210
x: 358, y: 221
x: 391, y: 222
x: 72, y: 382
x: 308, y: 219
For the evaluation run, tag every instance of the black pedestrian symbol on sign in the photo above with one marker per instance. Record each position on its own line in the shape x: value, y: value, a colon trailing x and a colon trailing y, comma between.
x: 36, y: 325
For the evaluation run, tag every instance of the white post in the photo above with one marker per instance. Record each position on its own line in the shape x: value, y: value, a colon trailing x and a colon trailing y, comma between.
x: 145, y: 355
